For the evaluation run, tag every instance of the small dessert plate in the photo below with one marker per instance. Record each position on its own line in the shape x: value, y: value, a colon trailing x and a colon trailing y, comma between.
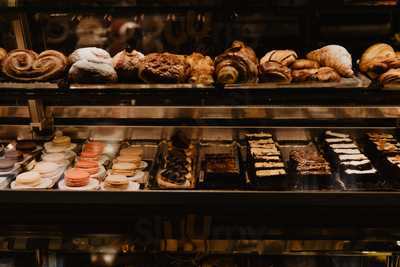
x: 4, y: 182
x: 92, y: 185
x: 131, y: 187
x: 44, y: 184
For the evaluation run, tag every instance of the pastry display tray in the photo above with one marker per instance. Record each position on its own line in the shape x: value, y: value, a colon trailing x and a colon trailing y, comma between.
x: 160, y: 161
x: 224, y: 180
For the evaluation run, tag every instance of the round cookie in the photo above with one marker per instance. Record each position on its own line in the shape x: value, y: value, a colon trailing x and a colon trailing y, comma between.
x: 76, y: 177
x: 31, y: 178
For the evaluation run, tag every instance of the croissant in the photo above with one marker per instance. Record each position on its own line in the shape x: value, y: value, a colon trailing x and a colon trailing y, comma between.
x: 3, y: 54
x: 285, y: 57
x: 324, y: 74
x: 391, y: 76
x: 334, y: 56
x: 304, y: 64
x: 26, y: 65
x: 377, y: 59
x: 202, y: 69
x: 236, y: 65
x: 274, y: 72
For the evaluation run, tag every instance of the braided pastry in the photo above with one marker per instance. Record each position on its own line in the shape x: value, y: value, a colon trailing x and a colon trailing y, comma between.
x: 27, y: 66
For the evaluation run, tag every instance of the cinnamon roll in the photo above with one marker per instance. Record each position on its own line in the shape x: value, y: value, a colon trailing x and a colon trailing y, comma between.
x: 27, y: 66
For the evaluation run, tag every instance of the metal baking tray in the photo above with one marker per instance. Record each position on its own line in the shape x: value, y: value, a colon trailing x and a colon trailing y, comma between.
x: 159, y: 165
x: 220, y: 180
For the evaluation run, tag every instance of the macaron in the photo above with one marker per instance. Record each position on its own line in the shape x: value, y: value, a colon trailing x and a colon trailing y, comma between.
x: 127, y: 169
x: 75, y: 177
x: 116, y: 182
x: 131, y: 151
x: 129, y: 159
x: 89, y: 166
x: 96, y: 147
x: 58, y: 158
x: 26, y: 146
x: 63, y: 141
x: 6, y: 165
x: 31, y: 179
x: 14, y: 155
x: 47, y: 169
x: 89, y: 155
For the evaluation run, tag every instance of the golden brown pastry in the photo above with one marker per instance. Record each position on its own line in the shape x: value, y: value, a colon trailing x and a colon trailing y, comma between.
x: 202, y: 69
x: 303, y: 75
x: 285, y: 57
x: 274, y: 72
x: 324, y: 74
x: 3, y: 54
x: 164, y: 68
x: 377, y: 59
x: 238, y: 64
x: 391, y: 76
x: 304, y: 64
x: 27, y: 66
x: 126, y: 64
x: 334, y: 56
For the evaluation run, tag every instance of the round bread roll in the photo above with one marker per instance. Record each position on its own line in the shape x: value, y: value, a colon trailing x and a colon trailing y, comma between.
x: 85, y: 71
x: 126, y: 64
x: 92, y: 54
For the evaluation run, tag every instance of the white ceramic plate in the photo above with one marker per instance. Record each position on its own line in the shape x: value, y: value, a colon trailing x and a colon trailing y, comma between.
x: 93, y: 185
x: 131, y: 187
x: 4, y: 182
x: 138, y: 177
x: 45, y: 184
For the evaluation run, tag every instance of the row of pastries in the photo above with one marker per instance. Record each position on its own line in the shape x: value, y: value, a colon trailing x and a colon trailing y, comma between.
x: 237, y: 64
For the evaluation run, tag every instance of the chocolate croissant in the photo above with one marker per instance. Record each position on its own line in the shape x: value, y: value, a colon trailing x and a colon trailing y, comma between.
x: 27, y: 66
x: 238, y: 64
x: 334, y: 56
x: 284, y: 57
x: 391, y: 76
x: 377, y: 59
x: 274, y: 72
x: 202, y: 69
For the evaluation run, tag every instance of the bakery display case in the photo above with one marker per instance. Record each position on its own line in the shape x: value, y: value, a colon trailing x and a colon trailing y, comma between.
x: 199, y: 133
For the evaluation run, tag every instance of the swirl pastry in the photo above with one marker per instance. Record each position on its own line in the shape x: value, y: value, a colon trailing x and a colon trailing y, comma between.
x: 91, y: 64
x: 127, y: 65
x: 202, y: 69
x: 238, y: 64
x: 334, y: 56
x: 164, y: 68
x: 27, y: 66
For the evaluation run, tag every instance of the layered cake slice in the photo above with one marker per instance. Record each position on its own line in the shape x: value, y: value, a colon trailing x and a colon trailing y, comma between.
x: 384, y: 151
x: 266, y: 167
x: 355, y: 168
x: 311, y: 169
